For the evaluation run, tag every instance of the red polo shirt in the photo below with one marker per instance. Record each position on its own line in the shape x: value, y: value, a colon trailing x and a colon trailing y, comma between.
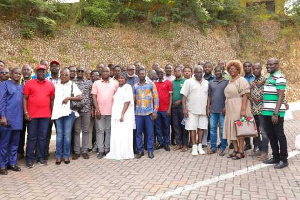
x: 164, y: 89
x: 39, y: 98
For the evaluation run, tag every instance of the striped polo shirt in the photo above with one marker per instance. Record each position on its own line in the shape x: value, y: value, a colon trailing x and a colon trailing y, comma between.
x: 274, y: 82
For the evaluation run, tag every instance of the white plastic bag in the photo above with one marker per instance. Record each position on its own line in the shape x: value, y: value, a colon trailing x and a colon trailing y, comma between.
x: 297, y: 142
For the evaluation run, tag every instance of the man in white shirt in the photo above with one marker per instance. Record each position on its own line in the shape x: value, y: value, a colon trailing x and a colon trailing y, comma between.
x: 194, y: 103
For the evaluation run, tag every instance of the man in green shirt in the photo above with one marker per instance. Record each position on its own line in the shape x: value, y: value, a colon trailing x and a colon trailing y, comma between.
x: 181, y: 135
x: 273, y: 112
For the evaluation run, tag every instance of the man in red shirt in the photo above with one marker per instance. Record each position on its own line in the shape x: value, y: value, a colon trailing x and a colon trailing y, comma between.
x: 162, y: 123
x: 38, y: 102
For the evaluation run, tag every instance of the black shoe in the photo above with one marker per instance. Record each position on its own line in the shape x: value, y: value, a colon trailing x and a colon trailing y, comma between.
x: 247, y: 147
x: 100, y: 155
x: 158, y: 147
x: 167, y: 148
x: 3, y: 171
x: 67, y: 161
x: 15, y: 168
x: 204, y: 146
x: 231, y: 146
x: 281, y: 165
x: 90, y: 150
x: 29, y: 164
x: 271, y: 161
x: 42, y: 162
x: 150, y: 155
x: 219, y: 146
x: 139, y: 155
x: 58, y: 161
x: 106, y: 152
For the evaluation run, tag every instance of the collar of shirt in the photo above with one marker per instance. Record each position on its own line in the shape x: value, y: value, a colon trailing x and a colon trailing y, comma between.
x: 146, y: 83
x: 161, y: 81
x: 109, y: 80
x: 197, y: 80
x: 215, y: 80
x: 275, y: 74
x: 248, y: 77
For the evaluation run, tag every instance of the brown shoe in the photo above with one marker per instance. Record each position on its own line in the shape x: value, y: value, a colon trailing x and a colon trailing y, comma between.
x: 184, y: 149
x: 75, y: 156
x: 222, y: 153
x: 85, y: 156
x: 177, y: 147
x: 211, y: 151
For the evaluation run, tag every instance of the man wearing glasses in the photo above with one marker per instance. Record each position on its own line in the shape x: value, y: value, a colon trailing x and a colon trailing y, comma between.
x: 273, y: 114
x: 4, y: 74
x: 82, y: 123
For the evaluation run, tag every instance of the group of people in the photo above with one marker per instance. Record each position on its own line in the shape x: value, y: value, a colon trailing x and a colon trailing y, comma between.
x: 122, y: 111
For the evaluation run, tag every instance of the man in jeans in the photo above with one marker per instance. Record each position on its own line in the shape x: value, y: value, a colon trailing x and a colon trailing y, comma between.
x: 256, y: 99
x: 273, y: 113
x: 215, y: 110
x: 38, y: 103
x: 163, y: 121
x: 103, y: 96
x: 82, y: 123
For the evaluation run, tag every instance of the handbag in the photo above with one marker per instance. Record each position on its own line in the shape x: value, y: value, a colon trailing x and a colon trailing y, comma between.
x: 75, y: 105
x: 246, y: 127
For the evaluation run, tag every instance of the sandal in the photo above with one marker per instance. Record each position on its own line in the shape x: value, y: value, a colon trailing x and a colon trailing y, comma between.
x: 177, y: 147
x: 238, y: 156
x: 222, y: 153
x: 233, y: 154
x: 184, y: 149
x: 211, y: 151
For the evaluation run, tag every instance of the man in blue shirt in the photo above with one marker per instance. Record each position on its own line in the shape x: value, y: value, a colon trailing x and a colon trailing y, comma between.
x: 11, y: 111
x: 247, y: 66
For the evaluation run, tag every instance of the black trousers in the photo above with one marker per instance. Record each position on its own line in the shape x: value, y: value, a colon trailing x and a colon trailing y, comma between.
x: 277, y: 138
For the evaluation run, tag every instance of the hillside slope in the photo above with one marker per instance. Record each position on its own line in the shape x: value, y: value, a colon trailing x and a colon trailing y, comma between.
x: 176, y: 43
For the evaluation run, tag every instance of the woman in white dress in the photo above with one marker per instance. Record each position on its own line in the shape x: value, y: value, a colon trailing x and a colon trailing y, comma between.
x: 122, y: 122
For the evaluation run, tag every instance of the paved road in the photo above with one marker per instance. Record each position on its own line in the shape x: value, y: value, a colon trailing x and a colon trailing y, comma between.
x: 170, y: 175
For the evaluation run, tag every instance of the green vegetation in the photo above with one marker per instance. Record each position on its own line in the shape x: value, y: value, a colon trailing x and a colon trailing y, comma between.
x: 44, y: 17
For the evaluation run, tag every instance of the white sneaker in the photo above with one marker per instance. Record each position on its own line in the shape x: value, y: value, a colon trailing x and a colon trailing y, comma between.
x: 200, y: 150
x: 194, y: 150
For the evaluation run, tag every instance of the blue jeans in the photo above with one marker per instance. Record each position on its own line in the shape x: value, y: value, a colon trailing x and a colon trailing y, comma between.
x: 63, y: 135
x: 9, y: 143
x: 36, y: 139
x: 215, y: 119
x: 141, y: 122
x: 162, y: 124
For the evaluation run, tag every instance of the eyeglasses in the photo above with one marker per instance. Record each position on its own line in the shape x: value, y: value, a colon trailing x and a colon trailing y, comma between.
x: 64, y: 75
x: 4, y: 72
x: 270, y: 64
x: 80, y: 71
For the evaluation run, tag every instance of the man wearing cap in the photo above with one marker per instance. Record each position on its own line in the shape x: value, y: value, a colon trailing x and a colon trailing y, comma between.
x: 54, y: 78
x: 38, y: 102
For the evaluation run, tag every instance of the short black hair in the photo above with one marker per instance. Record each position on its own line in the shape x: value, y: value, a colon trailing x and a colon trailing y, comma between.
x: 2, y: 62
x: 93, y: 71
x: 247, y: 62
x: 118, y: 66
x: 207, y: 63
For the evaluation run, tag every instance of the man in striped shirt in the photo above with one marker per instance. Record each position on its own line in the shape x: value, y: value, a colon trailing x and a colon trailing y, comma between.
x: 273, y: 112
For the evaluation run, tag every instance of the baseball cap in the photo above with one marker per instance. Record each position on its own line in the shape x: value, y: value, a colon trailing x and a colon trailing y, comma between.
x: 39, y: 66
x: 54, y: 62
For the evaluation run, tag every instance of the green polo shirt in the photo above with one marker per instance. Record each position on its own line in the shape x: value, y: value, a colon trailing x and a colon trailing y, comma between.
x: 177, y: 85
x: 274, y: 82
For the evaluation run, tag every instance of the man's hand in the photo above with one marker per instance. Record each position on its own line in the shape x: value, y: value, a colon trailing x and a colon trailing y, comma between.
x: 65, y: 101
x: 185, y: 113
x: 208, y: 112
x: 224, y: 111
x: 122, y: 118
x: 3, y: 121
x: 98, y: 114
x: 177, y: 103
x: 92, y: 113
x: 27, y: 117
x: 153, y: 116
x: 168, y: 112
x: 274, y: 119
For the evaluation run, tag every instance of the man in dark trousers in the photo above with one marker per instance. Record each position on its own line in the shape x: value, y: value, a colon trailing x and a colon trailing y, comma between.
x: 11, y: 111
x: 38, y: 102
